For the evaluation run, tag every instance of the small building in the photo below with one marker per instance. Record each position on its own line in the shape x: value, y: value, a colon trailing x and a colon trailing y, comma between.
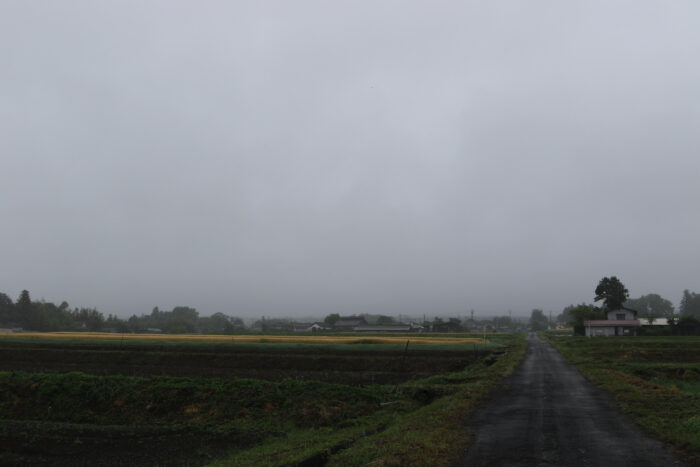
x: 320, y: 326
x: 621, y: 322
x: 310, y: 327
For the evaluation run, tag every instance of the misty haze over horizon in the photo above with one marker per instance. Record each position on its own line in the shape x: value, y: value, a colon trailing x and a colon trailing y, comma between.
x: 300, y: 159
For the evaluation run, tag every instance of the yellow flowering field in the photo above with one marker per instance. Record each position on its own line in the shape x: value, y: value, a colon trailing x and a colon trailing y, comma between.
x: 248, y: 338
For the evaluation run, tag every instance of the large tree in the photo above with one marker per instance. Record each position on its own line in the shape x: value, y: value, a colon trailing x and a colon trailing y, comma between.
x: 690, y: 304
x: 24, y: 310
x: 216, y: 323
x: 383, y: 320
x: 576, y: 315
x: 24, y: 302
x: 7, y: 309
x: 651, y: 306
x: 612, y: 291
x: 688, y: 326
x: 88, y: 318
x: 331, y: 319
x: 538, y: 321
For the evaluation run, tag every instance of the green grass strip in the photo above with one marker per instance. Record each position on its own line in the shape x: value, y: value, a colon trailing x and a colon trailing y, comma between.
x: 651, y: 380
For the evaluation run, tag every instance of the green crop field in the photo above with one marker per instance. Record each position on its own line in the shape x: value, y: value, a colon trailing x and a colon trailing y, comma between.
x: 185, y: 402
x: 656, y: 380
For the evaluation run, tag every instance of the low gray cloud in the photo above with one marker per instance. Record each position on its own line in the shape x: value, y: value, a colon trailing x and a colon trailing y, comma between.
x: 296, y: 158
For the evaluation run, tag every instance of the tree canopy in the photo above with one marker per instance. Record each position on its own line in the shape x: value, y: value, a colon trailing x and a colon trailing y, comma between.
x: 612, y: 291
x: 651, y: 306
x: 331, y: 319
x: 690, y: 304
x: 574, y: 316
x: 384, y: 320
x: 538, y: 321
x: 46, y: 316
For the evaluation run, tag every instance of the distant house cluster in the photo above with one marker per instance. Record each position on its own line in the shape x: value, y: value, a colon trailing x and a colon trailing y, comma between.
x: 356, y: 324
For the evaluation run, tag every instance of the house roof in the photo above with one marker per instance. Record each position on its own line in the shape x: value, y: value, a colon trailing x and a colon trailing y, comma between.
x: 612, y: 322
x: 387, y: 328
x: 349, y: 322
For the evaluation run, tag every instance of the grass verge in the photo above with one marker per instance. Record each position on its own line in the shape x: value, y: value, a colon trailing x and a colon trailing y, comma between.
x: 655, y: 380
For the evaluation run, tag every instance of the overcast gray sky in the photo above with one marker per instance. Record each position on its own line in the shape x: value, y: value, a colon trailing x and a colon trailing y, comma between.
x: 309, y: 157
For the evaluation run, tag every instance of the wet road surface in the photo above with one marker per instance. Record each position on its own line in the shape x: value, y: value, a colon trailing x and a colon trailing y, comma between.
x: 548, y: 414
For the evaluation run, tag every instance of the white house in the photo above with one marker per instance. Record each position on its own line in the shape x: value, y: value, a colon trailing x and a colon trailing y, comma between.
x: 310, y: 327
x: 622, y: 322
x: 318, y: 326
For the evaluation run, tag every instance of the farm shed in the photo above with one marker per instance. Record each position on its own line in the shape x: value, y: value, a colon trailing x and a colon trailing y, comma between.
x: 621, y: 322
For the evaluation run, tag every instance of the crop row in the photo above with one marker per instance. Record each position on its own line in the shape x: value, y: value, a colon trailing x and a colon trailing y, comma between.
x: 107, y: 400
x: 29, y: 442
x: 341, y: 364
x: 68, y: 416
x: 102, y: 415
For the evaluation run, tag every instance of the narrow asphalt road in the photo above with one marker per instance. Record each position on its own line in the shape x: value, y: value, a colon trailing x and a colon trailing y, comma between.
x: 548, y: 414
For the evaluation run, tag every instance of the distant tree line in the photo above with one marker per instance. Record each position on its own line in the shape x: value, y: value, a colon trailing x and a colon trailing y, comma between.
x: 436, y: 324
x: 29, y: 315
x: 440, y: 324
x: 184, y: 320
x: 46, y: 316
